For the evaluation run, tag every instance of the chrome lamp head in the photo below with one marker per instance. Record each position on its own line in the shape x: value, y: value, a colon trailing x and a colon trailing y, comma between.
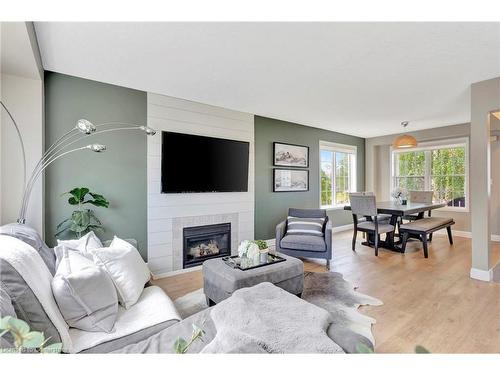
x: 148, y: 130
x: 85, y: 126
x: 96, y: 147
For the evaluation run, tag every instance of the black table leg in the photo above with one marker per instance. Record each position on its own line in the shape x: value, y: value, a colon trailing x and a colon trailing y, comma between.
x: 389, y: 243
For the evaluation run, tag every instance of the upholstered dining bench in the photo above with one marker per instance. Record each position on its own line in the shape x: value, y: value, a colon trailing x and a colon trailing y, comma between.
x: 423, y: 227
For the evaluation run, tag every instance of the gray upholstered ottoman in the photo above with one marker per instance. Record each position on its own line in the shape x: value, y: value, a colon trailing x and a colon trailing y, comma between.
x: 220, y: 280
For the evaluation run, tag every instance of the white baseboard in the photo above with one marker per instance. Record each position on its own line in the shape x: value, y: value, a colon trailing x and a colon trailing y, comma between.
x: 482, y: 275
x: 161, y: 275
x: 342, y: 228
x: 461, y: 233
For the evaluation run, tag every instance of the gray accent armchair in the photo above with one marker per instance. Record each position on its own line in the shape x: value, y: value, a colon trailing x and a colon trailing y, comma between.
x: 303, y: 245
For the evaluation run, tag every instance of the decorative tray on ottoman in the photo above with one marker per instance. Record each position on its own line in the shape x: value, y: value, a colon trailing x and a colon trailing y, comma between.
x: 245, y: 264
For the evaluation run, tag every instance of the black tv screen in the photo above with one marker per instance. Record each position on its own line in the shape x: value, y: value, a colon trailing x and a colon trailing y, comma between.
x: 196, y: 164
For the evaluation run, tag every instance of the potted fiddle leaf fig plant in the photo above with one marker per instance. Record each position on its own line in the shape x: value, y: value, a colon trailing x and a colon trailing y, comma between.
x: 82, y: 220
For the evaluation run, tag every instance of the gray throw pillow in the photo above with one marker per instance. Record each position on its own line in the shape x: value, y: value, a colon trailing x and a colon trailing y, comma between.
x: 26, y: 305
x: 305, y: 226
x: 30, y: 236
x: 85, y: 294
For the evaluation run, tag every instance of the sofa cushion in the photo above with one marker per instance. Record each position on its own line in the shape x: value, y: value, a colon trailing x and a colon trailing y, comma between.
x: 30, y: 236
x: 306, y: 212
x: 303, y: 242
x: 383, y: 227
x: 153, y: 307
x: 84, y: 292
x: 133, y: 338
x: 6, y: 308
x: 26, y: 305
x: 83, y: 244
x: 126, y: 267
x: 305, y: 226
x: 427, y: 224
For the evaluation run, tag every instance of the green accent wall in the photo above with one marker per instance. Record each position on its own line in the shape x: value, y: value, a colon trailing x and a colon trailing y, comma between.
x: 270, y: 207
x: 119, y: 173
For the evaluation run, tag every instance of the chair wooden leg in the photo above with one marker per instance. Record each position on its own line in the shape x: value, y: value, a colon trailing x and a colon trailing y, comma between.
x: 328, y: 264
x: 450, y: 237
x: 354, y: 240
x: 405, y: 239
x: 424, y: 242
x: 376, y: 237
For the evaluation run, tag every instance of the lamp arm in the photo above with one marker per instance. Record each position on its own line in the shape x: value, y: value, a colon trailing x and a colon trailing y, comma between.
x: 59, y: 146
x: 27, y: 191
x: 55, y: 151
x: 49, y: 151
x: 20, y: 140
x: 66, y: 136
x: 49, y: 157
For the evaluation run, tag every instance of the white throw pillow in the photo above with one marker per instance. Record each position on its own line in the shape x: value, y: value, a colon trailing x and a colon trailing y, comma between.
x: 126, y: 267
x: 83, y: 244
x: 84, y: 292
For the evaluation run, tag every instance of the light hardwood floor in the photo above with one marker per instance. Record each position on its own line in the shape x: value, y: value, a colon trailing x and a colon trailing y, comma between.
x: 430, y: 302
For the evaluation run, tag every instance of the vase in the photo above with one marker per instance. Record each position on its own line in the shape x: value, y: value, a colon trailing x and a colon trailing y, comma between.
x: 263, y: 255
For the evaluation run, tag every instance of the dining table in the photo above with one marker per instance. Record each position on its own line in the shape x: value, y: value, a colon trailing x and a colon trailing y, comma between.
x: 397, y: 211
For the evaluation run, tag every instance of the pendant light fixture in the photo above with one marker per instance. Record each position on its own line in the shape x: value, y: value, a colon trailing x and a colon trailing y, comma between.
x: 405, y: 140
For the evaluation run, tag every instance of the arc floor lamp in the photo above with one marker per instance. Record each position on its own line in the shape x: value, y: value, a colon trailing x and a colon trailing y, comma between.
x: 64, y: 146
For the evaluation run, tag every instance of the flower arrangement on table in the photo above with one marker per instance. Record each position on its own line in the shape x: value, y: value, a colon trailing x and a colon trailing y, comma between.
x: 400, y: 195
x: 252, y: 249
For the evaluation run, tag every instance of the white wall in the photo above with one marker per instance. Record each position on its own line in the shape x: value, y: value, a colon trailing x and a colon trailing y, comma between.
x: 21, y: 90
x: 177, y: 115
x: 24, y: 98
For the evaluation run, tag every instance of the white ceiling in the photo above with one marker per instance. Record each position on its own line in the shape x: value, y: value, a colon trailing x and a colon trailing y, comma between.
x: 356, y: 78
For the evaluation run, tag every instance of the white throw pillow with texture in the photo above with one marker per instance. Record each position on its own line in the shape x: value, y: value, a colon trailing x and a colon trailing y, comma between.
x: 83, y: 244
x: 84, y: 292
x: 126, y: 267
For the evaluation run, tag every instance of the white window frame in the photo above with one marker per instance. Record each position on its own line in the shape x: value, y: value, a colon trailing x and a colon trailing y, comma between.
x: 339, y: 147
x: 435, y: 145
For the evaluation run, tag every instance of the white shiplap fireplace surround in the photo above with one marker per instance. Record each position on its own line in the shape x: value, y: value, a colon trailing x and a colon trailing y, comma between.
x: 168, y: 214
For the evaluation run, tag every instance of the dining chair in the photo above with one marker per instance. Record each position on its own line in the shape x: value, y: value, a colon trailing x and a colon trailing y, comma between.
x: 381, y: 217
x: 365, y: 205
x: 419, y: 197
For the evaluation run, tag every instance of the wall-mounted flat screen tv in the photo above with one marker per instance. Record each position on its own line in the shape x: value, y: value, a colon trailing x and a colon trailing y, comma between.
x: 196, y: 164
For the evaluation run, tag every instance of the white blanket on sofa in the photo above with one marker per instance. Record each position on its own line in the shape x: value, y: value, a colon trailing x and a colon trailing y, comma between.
x: 267, y: 319
x: 26, y: 260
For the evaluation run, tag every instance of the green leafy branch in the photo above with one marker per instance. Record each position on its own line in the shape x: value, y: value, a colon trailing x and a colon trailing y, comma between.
x: 24, y: 339
x: 261, y: 244
x: 181, y: 346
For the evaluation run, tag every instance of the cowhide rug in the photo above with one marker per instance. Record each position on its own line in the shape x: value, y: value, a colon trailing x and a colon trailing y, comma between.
x: 327, y: 290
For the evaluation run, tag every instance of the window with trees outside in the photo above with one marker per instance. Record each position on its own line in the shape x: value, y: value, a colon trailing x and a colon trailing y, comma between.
x: 440, y: 167
x: 338, y: 174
